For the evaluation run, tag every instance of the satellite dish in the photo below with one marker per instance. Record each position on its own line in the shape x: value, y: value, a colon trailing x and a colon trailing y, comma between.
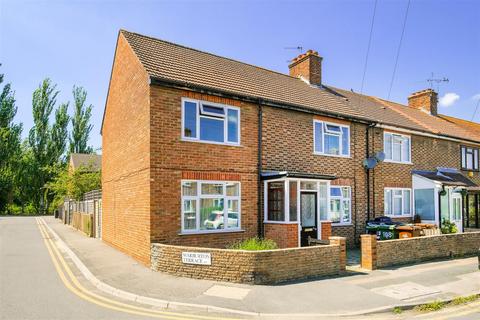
x: 370, y: 163
x: 380, y: 156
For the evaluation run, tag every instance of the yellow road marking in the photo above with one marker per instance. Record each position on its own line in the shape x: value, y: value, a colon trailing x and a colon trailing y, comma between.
x: 123, y: 307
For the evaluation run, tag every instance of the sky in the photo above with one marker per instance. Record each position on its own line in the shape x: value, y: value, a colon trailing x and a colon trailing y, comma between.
x: 73, y: 43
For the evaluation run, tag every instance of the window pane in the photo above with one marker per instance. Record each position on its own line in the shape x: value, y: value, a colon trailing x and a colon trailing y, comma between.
x: 211, y: 214
x: 346, y: 192
x: 332, y: 144
x: 445, y: 207
x: 388, y: 202
x: 406, y: 202
x: 318, y: 137
x: 387, y: 146
x: 293, y: 200
x: 475, y: 159
x: 308, y: 185
x: 397, y: 206
x: 189, y: 189
x: 397, y: 148
x: 276, y: 201
x: 464, y: 158
x: 189, y: 214
x: 406, y: 149
x: 323, y: 203
x: 211, y: 129
x: 345, y: 141
x: 335, y: 192
x: 233, y: 189
x: 307, y: 207
x: 332, y: 128
x: 212, y: 189
x: 335, y: 210
x: 215, y: 110
x: 233, y: 214
x: 425, y: 204
x: 190, y: 120
x: 469, y: 159
x: 346, y: 211
x: 232, y: 125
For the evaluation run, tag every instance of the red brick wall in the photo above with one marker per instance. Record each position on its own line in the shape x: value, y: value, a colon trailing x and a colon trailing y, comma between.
x: 285, y: 235
x: 173, y: 159
x: 125, y: 157
x: 288, y: 145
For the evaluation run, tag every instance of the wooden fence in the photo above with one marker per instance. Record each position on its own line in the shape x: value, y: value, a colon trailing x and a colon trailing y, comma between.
x: 83, y: 222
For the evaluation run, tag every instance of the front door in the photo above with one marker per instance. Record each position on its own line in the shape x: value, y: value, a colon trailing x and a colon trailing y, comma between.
x: 308, y: 216
x: 456, y: 212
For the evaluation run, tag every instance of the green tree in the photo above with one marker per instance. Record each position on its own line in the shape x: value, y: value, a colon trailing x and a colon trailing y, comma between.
x: 81, y: 126
x: 9, y: 145
x: 47, y: 143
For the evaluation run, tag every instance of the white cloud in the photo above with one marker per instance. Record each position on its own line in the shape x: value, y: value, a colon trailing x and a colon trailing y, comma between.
x: 448, y: 99
x: 476, y: 97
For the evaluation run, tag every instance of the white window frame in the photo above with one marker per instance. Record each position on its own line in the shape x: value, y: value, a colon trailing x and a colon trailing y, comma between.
x: 403, y: 214
x: 340, y: 135
x: 475, y: 155
x: 199, y: 196
x: 211, y: 115
x: 341, y: 198
x: 392, y: 134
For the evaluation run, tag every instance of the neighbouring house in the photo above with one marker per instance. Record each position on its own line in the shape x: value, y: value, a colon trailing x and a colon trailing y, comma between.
x: 86, y: 161
x: 203, y: 150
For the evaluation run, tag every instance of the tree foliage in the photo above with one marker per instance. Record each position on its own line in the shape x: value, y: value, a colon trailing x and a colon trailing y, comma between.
x: 10, y: 140
x: 81, y: 126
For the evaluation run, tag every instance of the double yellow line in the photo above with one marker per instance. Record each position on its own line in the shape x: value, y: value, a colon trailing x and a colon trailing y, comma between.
x: 74, y: 286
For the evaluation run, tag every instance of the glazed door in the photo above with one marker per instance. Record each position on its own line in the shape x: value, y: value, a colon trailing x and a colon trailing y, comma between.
x: 308, y: 216
x: 456, y: 212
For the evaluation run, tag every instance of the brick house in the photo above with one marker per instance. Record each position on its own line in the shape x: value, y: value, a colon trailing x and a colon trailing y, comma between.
x: 192, y: 140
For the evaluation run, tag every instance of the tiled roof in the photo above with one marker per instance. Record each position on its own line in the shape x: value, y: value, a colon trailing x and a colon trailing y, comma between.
x: 165, y: 60
x: 395, y: 114
x: 471, y: 126
x: 87, y: 160
x: 171, y: 62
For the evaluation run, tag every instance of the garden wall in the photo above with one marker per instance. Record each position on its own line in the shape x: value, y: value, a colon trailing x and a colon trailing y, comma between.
x: 378, y: 254
x: 254, y: 267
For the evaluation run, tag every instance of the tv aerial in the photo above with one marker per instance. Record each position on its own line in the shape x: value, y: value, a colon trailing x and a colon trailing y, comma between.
x: 372, y: 162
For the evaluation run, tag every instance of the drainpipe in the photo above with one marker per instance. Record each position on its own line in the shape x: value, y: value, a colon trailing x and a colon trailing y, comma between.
x: 259, y: 168
x: 367, y: 171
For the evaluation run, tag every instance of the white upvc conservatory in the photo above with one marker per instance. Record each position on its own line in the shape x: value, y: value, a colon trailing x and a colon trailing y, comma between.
x: 439, y: 195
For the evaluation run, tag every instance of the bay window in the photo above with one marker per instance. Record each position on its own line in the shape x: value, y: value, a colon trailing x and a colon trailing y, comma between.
x: 210, y: 122
x: 331, y: 139
x: 397, y: 202
x: 340, y: 208
x: 210, y: 206
x: 469, y: 158
x: 397, y: 147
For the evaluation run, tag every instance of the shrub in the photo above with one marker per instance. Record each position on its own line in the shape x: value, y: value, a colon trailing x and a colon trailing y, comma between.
x: 432, y: 306
x: 463, y: 300
x: 397, y: 310
x: 448, y: 227
x: 254, y: 244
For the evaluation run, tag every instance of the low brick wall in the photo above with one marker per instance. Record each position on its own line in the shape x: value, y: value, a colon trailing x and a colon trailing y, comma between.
x: 254, y: 267
x: 378, y: 254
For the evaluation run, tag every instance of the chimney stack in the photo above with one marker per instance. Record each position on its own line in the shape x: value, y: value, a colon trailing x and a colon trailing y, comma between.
x: 308, y: 66
x: 425, y: 100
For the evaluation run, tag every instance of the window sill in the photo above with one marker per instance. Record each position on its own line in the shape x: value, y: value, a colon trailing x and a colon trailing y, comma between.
x: 331, y: 155
x: 228, y: 144
x: 280, y: 222
x: 193, y: 233
x: 398, y: 162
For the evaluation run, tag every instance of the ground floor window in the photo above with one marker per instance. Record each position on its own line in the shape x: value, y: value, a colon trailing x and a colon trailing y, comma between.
x: 210, y: 206
x: 425, y: 204
x: 340, y: 205
x: 398, y: 202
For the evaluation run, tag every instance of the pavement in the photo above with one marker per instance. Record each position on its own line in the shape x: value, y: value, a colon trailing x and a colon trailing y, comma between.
x: 106, y: 272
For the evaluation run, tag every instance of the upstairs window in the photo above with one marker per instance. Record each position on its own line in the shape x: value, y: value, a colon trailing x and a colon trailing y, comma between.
x: 469, y: 158
x: 396, y: 147
x: 210, y: 122
x: 331, y: 139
